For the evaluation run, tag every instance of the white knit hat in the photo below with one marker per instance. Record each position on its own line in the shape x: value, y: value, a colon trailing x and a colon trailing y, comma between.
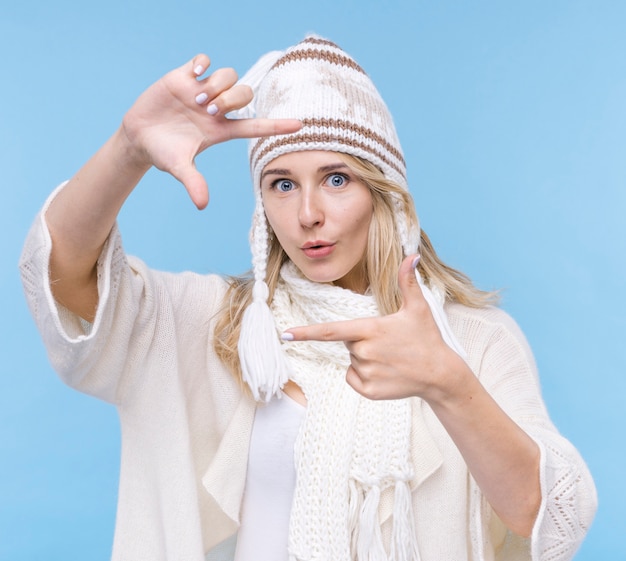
x: 341, y: 110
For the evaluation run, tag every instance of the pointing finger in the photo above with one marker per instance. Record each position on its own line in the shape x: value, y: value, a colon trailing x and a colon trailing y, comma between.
x: 347, y: 331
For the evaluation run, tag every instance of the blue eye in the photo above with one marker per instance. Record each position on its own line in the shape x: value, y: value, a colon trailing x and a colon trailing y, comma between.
x: 284, y: 185
x: 336, y: 180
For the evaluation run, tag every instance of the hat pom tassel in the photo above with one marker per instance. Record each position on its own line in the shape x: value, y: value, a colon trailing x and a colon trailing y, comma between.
x: 263, y: 364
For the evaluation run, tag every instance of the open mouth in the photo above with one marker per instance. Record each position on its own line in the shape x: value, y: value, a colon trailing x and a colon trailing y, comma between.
x: 318, y: 249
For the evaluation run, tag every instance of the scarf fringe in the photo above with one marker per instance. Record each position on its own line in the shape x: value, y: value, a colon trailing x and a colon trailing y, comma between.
x: 355, y: 505
x: 370, y: 540
x: 366, y: 532
x: 403, y: 538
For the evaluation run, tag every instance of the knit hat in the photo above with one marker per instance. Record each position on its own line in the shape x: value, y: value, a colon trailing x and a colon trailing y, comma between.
x: 341, y: 110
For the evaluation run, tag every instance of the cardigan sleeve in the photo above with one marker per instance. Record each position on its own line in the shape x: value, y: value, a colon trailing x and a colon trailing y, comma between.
x: 569, y: 498
x: 139, y: 310
x: 83, y: 354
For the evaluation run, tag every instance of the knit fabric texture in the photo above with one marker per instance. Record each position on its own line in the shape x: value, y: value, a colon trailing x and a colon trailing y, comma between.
x: 349, y: 448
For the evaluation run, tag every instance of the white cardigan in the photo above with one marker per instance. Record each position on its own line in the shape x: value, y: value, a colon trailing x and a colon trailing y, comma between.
x: 186, y: 425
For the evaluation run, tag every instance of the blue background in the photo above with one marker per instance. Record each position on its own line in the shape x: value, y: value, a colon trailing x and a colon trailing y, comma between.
x: 512, y: 116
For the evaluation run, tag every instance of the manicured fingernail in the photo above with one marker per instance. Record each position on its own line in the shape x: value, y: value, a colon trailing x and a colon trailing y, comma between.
x: 416, y: 261
x: 287, y: 337
x: 212, y: 109
x: 201, y: 98
x: 198, y: 70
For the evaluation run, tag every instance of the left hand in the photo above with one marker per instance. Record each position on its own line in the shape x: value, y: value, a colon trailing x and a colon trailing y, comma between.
x: 395, y: 356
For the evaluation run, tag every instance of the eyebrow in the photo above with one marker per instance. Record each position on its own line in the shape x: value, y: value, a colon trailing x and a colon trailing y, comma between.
x: 275, y: 171
x: 322, y: 169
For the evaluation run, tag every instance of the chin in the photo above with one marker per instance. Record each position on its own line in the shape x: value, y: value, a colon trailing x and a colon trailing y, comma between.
x: 319, y: 276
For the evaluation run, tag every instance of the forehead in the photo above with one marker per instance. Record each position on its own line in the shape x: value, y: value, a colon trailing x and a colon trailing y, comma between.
x: 305, y: 159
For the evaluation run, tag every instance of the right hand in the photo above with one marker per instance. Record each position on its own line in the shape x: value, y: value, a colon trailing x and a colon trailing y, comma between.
x: 167, y: 127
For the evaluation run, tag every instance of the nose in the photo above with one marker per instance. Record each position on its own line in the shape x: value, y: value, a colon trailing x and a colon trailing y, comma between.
x: 311, y: 212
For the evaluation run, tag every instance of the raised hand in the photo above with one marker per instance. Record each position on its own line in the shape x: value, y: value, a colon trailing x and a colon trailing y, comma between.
x: 167, y: 127
x: 398, y: 355
x: 182, y: 114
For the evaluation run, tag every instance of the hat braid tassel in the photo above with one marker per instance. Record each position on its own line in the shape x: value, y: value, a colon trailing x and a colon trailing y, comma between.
x: 263, y: 363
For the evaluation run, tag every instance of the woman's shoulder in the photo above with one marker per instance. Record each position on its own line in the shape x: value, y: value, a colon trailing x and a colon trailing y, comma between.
x: 487, y: 327
x: 487, y: 318
x: 181, y: 280
x: 188, y: 291
x: 186, y: 278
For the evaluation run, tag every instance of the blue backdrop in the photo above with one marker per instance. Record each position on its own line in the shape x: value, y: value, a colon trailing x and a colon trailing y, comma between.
x: 513, y: 120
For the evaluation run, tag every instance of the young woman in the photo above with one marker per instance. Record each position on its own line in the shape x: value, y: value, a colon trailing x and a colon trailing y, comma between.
x: 411, y: 424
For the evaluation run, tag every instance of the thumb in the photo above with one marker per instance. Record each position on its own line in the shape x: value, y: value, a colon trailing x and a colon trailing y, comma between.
x: 194, y: 183
x: 407, y: 281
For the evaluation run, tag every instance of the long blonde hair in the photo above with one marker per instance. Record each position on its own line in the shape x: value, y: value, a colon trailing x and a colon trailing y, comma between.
x: 382, y: 261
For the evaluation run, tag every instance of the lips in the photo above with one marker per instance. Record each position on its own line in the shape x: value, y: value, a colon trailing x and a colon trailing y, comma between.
x: 318, y: 249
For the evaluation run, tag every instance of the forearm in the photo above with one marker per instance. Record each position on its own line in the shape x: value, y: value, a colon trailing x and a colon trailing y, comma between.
x: 502, y: 458
x: 80, y: 218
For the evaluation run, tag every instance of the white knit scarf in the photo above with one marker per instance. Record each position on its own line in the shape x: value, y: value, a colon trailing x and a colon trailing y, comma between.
x: 349, y: 448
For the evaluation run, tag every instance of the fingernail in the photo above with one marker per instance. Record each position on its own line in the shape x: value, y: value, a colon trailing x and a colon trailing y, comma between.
x: 201, y: 98
x: 198, y: 70
x: 416, y: 261
x: 287, y: 336
x: 212, y: 109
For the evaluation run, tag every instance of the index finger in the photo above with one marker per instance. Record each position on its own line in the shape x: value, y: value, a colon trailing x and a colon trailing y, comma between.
x: 347, y: 331
x: 253, y: 128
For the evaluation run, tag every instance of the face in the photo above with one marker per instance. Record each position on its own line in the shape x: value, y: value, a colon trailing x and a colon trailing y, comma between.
x: 320, y: 213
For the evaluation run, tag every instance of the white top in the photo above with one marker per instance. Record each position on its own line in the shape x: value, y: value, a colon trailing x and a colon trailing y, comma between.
x: 270, y: 482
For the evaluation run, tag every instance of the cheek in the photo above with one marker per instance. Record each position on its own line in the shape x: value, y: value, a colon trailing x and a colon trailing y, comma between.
x: 363, y: 220
x: 271, y: 216
x: 363, y: 207
x: 278, y: 224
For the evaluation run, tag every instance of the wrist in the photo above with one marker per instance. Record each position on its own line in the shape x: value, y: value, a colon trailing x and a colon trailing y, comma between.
x: 131, y: 158
x: 455, y: 384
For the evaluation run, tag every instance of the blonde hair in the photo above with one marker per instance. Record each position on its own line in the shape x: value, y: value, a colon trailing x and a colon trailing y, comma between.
x: 382, y: 261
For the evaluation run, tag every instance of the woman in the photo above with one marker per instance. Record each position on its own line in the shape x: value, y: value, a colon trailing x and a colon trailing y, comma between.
x: 413, y: 426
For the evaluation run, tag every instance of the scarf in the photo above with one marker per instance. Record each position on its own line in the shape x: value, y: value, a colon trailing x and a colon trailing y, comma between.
x: 349, y: 448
